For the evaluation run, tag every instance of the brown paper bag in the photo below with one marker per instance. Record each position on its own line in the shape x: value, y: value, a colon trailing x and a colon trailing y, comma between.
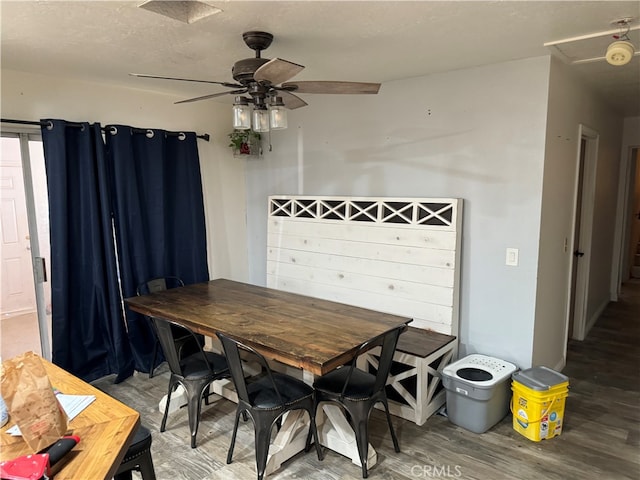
x: 31, y: 401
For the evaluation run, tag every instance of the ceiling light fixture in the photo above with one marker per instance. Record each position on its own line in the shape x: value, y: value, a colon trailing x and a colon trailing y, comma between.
x: 277, y: 114
x: 241, y: 114
x: 263, y: 117
x: 622, y: 50
x: 260, y: 119
x: 267, y: 83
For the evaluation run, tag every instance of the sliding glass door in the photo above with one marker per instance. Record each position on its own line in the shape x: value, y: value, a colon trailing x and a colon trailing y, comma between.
x: 25, y: 299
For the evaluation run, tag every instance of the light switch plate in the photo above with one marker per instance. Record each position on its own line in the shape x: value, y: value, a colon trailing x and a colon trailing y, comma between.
x: 512, y: 257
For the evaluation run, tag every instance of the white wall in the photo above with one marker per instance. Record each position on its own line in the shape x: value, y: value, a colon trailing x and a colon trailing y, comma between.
x: 32, y: 97
x: 572, y: 103
x: 476, y: 134
x: 479, y: 134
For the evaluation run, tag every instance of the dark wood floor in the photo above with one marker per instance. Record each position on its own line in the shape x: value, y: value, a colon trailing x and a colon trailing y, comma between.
x: 600, y: 440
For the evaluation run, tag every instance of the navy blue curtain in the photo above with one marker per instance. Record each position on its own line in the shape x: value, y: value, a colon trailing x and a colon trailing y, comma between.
x: 159, y: 216
x: 89, y: 337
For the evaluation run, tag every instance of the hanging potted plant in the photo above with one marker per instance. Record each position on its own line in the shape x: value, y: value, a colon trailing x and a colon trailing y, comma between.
x: 245, y: 142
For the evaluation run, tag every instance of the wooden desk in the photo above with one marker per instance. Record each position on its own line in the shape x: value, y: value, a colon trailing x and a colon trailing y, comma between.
x: 106, y: 428
x: 300, y: 331
x: 304, y: 332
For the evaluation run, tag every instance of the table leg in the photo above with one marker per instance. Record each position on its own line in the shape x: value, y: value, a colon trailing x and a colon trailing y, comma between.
x: 223, y: 388
x: 178, y: 400
x: 336, y: 433
x: 291, y: 439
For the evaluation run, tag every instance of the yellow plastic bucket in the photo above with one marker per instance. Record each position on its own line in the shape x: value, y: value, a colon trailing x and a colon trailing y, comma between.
x: 539, y: 395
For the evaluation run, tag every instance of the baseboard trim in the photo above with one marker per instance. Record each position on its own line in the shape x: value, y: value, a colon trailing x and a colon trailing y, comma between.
x: 594, y: 318
x: 558, y: 367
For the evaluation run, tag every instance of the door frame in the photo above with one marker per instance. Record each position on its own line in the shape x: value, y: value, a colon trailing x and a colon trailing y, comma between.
x: 585, y: 209
x: 39, y: 276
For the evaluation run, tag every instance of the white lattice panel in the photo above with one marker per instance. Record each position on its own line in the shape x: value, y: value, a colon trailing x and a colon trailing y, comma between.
x: 395, y: 255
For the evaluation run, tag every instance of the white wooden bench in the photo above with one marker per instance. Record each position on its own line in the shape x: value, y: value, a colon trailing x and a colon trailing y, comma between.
x: 395, y: 255
x: 414, y: 389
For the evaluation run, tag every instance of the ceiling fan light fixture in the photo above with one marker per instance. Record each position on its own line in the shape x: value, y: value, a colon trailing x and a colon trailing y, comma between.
x: 277, y: 114
x: 241, y: 114
x: 260, y: 119
x: 619, y: 53
x: 265, y: 81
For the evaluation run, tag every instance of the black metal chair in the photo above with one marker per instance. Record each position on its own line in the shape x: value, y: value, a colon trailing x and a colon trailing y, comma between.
x: 194, y: 372
x: 358, y: 391
x: 157, y: 285
x: 265, y: 399
x: 138, y: 457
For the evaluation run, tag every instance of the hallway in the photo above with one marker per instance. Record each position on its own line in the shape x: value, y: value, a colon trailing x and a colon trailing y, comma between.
x: 610, y: 355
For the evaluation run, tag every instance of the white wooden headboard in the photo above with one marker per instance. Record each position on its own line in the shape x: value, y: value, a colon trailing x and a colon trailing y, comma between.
x: 394, y: 255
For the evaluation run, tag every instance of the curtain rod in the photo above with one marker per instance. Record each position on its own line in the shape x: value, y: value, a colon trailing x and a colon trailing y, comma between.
x: 204, y: 136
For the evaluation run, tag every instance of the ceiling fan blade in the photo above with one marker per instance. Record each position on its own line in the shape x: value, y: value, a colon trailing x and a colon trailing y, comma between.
x: 290, y: 100
x: 213, y: 95
x: 332, y: 87
x: 224, y: 84
x: 277, y: 71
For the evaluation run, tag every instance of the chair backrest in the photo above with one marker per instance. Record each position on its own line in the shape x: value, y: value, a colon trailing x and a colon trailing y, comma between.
x: 159, y: 284
x: 388, y: 341
x: 168, y: 332
x: 232, y: 353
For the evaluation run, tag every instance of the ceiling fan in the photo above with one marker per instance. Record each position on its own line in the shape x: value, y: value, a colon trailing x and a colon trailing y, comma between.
x: 266, y: 82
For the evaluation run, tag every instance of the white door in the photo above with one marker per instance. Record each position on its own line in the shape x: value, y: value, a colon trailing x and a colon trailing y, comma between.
x: 18, y: 292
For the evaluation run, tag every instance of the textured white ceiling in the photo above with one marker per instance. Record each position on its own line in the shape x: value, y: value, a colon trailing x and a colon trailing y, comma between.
x: 373, y: 41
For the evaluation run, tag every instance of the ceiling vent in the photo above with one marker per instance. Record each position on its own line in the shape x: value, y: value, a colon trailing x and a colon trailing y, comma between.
x: 185, y: 11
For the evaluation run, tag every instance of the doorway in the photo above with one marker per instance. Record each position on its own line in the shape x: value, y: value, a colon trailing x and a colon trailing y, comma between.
x: 583, y: 226
x: 25, y: 293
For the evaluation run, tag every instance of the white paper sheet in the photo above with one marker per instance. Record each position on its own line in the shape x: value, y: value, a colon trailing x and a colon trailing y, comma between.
x: 71, y: 404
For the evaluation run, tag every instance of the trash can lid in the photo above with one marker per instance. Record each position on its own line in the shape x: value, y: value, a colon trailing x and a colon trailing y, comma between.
x: 539, y: 378
x: 479, y: 370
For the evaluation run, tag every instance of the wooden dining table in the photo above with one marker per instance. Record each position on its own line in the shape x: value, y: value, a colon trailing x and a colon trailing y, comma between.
x: 305, y: 332
x: 106, y: 428
x: 299, y: 331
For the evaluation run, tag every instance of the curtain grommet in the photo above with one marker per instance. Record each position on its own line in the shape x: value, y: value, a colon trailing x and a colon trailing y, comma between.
x: 182, y: 136
x: 113, y: 130
x: 149, y: 133
x: 49, y: 125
